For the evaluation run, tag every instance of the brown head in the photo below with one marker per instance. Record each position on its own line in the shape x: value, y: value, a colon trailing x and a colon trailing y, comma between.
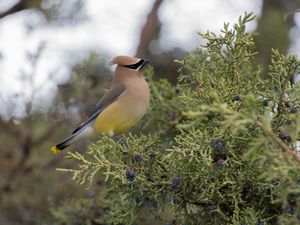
x: 129, y: 63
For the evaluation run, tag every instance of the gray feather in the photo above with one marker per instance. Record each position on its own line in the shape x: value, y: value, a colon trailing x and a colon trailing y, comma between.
x: 110, y: 97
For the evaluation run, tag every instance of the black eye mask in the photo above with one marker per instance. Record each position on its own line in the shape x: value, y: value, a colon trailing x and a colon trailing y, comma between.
x: 136, y: 65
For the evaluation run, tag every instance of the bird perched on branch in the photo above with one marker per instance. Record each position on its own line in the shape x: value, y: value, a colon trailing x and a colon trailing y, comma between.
x: 123, y: 105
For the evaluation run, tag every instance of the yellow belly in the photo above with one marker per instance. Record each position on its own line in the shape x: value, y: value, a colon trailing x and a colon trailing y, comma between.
x: 116, y: 119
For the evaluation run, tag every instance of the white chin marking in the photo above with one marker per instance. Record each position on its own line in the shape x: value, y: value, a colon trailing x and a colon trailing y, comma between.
x: 111, y: 133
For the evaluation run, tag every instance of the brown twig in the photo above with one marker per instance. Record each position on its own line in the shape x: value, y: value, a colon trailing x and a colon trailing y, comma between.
x: 26, y: 150
x: 285, y: 147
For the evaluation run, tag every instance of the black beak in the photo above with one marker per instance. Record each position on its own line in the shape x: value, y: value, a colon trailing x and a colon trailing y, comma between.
x: 145, y: 62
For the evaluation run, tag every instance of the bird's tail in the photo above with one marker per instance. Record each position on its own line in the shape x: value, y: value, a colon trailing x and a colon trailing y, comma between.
x: 63, y: 144
x: 86, y: 131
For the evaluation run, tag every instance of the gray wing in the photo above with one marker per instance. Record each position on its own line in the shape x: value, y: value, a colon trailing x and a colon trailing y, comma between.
x: 110, y: 96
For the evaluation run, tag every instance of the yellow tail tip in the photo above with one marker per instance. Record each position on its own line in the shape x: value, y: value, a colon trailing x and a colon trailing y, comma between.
x: 55, y: 150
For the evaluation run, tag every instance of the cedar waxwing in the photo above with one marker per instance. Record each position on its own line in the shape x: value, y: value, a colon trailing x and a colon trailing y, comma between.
x: 123, y: 105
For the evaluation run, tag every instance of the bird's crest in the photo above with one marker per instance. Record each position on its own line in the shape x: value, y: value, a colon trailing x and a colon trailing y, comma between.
x: 123, y: 60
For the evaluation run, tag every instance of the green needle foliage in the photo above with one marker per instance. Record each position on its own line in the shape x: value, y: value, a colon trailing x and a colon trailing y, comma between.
x: 220, y: 149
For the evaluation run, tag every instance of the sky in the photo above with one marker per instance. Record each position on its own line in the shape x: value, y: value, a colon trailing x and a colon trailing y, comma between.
x: 112, y: 27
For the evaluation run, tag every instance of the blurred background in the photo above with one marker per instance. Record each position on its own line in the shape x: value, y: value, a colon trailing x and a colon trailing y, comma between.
x: 53, y: 56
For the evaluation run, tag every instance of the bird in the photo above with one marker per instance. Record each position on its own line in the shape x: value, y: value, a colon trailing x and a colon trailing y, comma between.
x: 121, y: 107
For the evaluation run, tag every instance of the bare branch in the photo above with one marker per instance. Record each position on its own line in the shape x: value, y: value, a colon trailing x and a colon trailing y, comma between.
x: 285, y: 147
x: 21, y: 5
x: 149, y: 30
